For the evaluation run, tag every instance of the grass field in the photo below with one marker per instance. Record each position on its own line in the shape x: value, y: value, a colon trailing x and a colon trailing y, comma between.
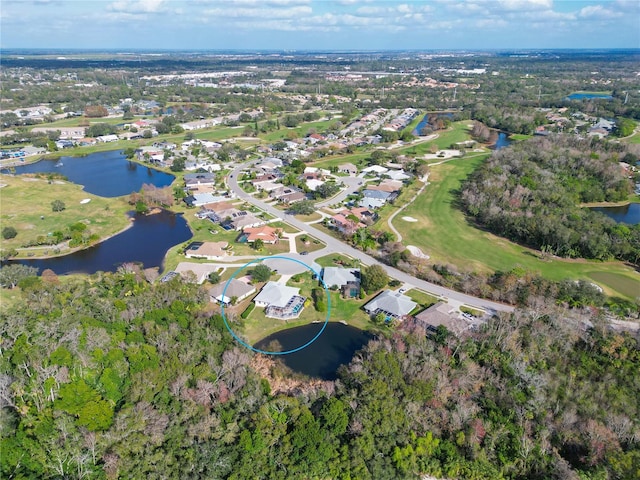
x: 330, y: 260
x: 635, y: 138
x: 443, y: 232
x: 26, y: 206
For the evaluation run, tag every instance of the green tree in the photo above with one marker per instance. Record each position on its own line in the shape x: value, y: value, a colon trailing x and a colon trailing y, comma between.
x: 624, y: 127
x: 258, y: 244
x: 178, y: 164
x: 374, y: 278
x: 305, y: 207
x: 261, y: 273
x: 58, y: 206
x: 214, y: 277
x: 9, y: 232
x: 10, y: 275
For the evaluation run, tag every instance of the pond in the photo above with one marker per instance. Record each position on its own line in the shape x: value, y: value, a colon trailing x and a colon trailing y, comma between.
x: 623, y: 214
x: 587, y: 96
x: 335, y: 347
x: 107, y: 174
x: 502, y: 141
x: 430, y: 116
x: 145, y: 242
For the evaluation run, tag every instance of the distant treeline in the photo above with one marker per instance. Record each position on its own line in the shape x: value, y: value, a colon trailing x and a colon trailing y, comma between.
x: 532, y: 193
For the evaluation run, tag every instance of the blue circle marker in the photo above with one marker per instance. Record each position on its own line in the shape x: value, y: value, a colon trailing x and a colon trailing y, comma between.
x: 266, y: 352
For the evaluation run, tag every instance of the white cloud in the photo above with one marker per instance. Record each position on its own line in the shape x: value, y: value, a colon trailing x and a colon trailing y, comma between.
x: 525, y: 5
x: 139, y: 6
x: 260, y: 13
x: 598, y: 12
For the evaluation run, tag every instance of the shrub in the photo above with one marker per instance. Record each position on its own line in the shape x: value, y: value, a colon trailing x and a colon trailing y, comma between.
x: 248, y: 310
x: 9, y: 232
x: 58, y: 206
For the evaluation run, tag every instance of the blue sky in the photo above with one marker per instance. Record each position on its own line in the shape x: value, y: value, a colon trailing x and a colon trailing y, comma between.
x: 320, y: 24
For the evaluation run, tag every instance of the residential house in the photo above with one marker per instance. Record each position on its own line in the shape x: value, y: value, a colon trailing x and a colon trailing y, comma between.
x: 376, y: 198
x: 399, y: 175
x: 224, y: 292
x: 280, y: 301
x: 200, y: 199
x: 313, y: 183
x: 291, y: 198
x: 245, y: 220
x: 107, y: 138
x: 438, y: 314
x: 315, y: 170
x: 268, y: 235
x: 393, y: 305
x: 345, y: 225
x: 347, y: 280
x: 200, y: 124
x: 389, y: 186
x: 375, y: 170
x: 192, y: 180
x: 371, y: 203
x: 208, y: 250
x: 267, y: 179
x: 270, y: 164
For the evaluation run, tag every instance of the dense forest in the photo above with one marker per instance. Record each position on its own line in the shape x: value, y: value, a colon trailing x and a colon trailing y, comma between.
x: 113, y: 377
x: 532, y: 193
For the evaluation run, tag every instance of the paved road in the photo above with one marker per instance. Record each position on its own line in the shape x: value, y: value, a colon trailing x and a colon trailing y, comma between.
x: 335, y: 245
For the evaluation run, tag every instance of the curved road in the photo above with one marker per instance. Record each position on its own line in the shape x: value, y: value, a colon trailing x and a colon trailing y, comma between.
x: 335, y: 245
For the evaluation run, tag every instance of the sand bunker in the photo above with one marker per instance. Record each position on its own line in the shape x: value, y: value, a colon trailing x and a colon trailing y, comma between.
x: 416, y: 252
x: 85, y: 200
x: 409, y: 219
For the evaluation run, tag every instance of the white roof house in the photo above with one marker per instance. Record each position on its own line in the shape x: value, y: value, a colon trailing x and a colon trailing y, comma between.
x: 340, y: 276
x: 375, y: 169
x: 275, y: 295
x: 392, y: 304
x: 313, y: 184
x: 107, y: 138
x: 397, y: 175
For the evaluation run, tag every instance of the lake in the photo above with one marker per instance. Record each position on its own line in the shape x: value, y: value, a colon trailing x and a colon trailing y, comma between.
x: 146, y: 242
x: 624, y: 214
x: 336, y: 346
x: 107, y: 174
x: 586, y: 96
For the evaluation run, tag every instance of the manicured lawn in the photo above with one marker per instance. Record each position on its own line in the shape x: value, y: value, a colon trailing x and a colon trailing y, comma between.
x: 422, y: 298
x: 633, y: 139
x: 519, y: 136
x: 312, y: 244
x: 26, y: 206
x: 443, y: 232
x: 332, y: 260
x: 457, y: 132
x: 309, y: 218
